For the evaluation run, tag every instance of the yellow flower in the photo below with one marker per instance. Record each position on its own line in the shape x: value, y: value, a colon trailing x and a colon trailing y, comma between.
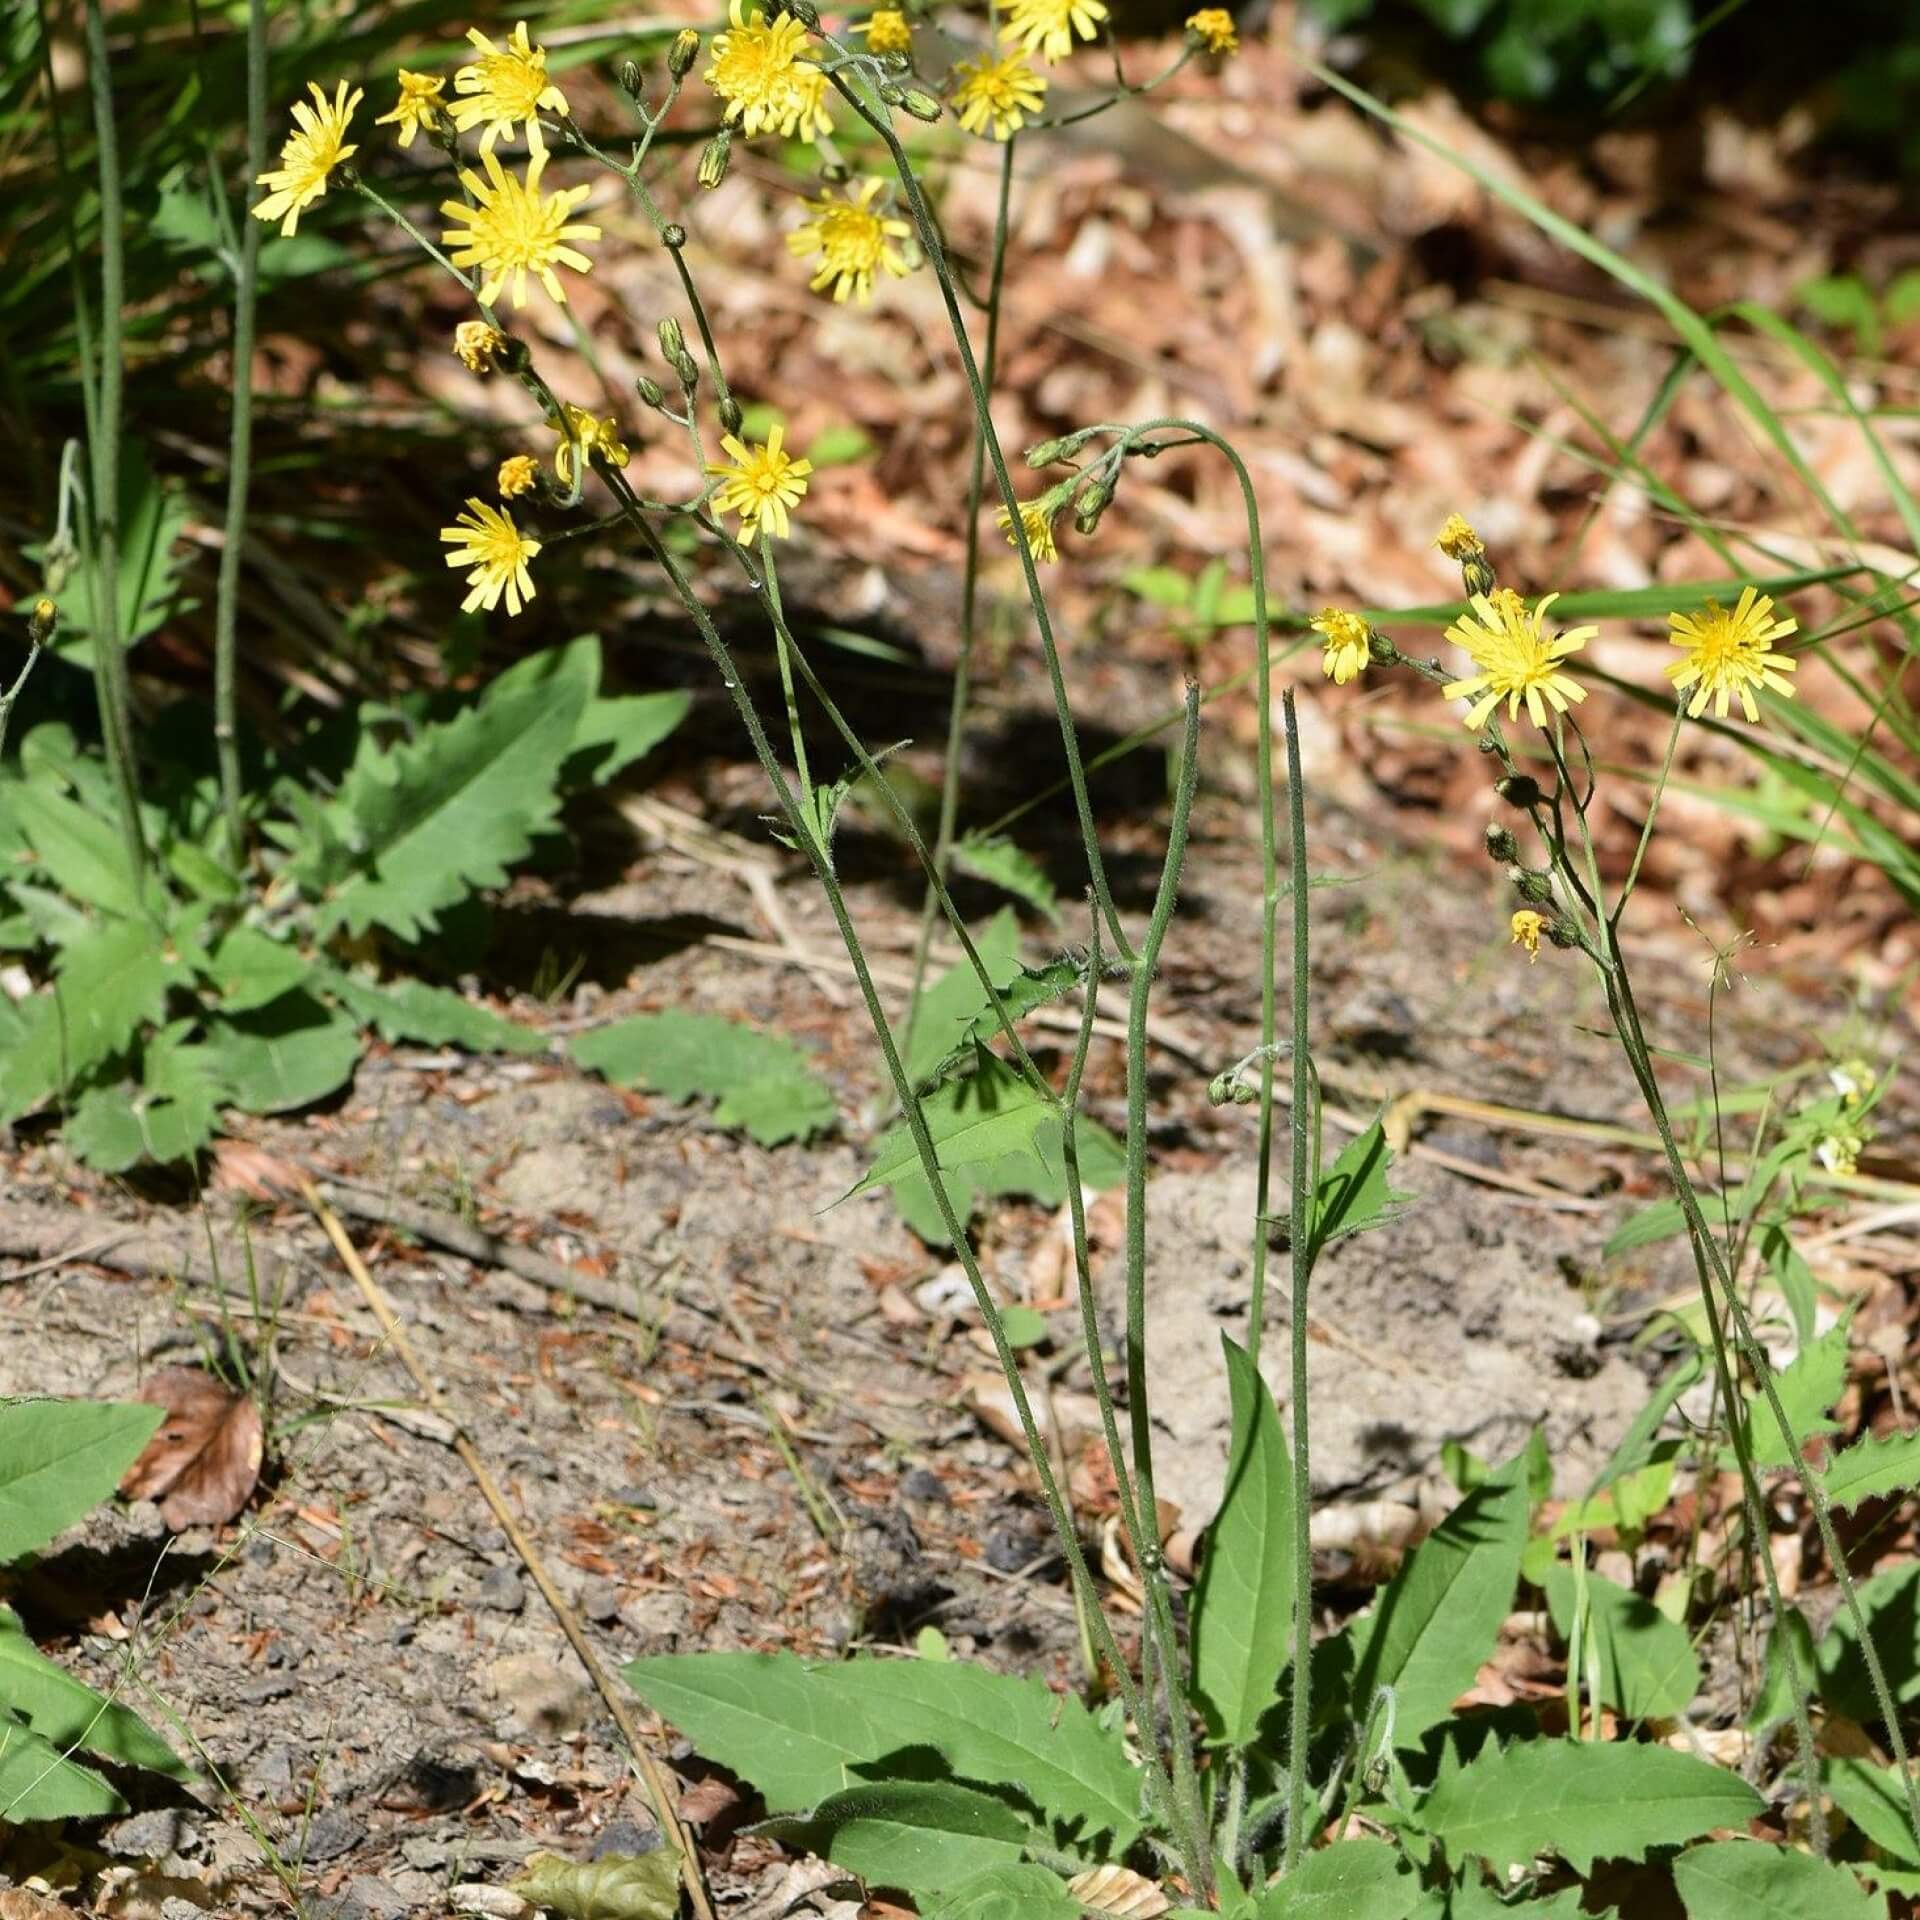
x: 1528, y: 926
x: 1213, y: 28
x: 599, y: 440
x: 478, y: 345
x: 760, y: 485
x: 1048, y: 26
x: 1002, y: 92
x: 1731, y: 653
x: 1516, y: 658
x: 1037, y: 517
x: 1344, y: 640
x: 312, y: 151
x: 852, y: 242
x: 766, y: 75
x: 505, y: 86
x: 517, y: 474
x: 514, y: 228
x: 888, y: 31
x: 421, y: 101
x: 1839, y: 1152
x: 1852, y: 1080
x: 1457, y: 540
x: 485, y: 539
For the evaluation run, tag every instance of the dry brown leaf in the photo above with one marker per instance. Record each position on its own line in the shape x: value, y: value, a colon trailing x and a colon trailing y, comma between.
x: 16, y: 1903
x: 1118, y: 1890
x: 241, y: 1166
x: 204, y: 1461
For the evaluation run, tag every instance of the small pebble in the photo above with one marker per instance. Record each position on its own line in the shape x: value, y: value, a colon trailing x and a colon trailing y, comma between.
x: 501, y: 1591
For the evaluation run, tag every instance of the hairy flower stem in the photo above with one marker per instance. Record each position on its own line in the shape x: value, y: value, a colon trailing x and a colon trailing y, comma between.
x: 770, y: 574
x: 226, y: 605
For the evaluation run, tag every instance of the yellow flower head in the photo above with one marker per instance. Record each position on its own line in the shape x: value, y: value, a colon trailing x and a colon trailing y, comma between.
x: 1036, y: 516
x: 478, y: 345
x: 1458, y: 541
x: 1000, y: 92
x: 421, y: 102
x: 599, y: 440
x: 1528, y: 926
x: 504, y: 87
x: 888, y: 30
x: 1852, y: 1080
x: 1516, y: 657
x: 760, y: 485
x: 515, y: 228
x: 1731, y: 653
x: 853, y: 242
x: 517, y: 475
x: 767, y: 77
x: 1047, y: 27
x: 1213, y: 28
x: 485, y: 539
x: 1343, y: 636
x: 313, y: 150
x: 1839, y: 1152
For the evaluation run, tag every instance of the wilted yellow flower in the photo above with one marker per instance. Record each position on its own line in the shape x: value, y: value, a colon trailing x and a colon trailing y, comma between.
x: 478, y: 345
x: 760, y: 485
x: 1731, y: 653
x: 313, y: 150
x: 888, y: 30
x: 599, y: 440
x: 1343, y: 638
x: 485, y: 539
x: 1036, y: 516
x: 997, y: 92
x: 1213, y: 28
x: 1528, y: 926
x: 1047, y: 26
x: 504, y: 87
x: 766, y: 75
x: 853, y: 242
x: 1458, y: 541
x: 420, y: 104
x: 517, y: 475
x: 514, y: 228
x: 1516, y: 658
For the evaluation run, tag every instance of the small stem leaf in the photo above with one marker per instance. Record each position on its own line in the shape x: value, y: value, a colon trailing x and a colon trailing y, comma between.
x: 1646, y: 1662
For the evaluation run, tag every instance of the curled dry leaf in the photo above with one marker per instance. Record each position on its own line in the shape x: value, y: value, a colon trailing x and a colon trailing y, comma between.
x: 204, y: 1461
x: 1118, y: 1890
x: 617, y: 1886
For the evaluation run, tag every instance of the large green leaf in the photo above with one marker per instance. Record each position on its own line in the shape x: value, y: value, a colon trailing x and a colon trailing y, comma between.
x: 923, y: 1835
x: 1584, y: 1800
x: 1243, y: 1602
x: 428, y: 1015
x: 1350, y: 1880
x: 58, y: 1458
x: 1005, y: 1893
x: 762, y: 1081
x: 79, y: 848
x: 287, y: 1054
x: 69, y: 1713
x: 1647, y: 1665
x: 111, y: 984
x: 1807, y: 1387
x: 455, y: 808
x: 1871, y: 1469
x: 988, y: 1116
x: 39, y: 1782
x: 250, y: 969
x: 1890, y: 1602
x: 1748, y: 1880
x: 1874, y: 1800
x: 166, y: 1115
x: 1038, y: 1174
x: 1438, y: 1618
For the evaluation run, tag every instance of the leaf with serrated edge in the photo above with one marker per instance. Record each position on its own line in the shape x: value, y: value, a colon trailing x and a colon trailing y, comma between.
x: 988, y: 1115
x: 918, y: 1834
x: 948, y: 1006
x: 1350, y: 1880
x: 1807, y: 1388
x: 999, y: 861
x: 403, y: 1010
x: 58, y: 1459
x: 1750, y: 1880
x: 1872, y: 1468
x: 1583, y: 1800
x: 68, y: 1712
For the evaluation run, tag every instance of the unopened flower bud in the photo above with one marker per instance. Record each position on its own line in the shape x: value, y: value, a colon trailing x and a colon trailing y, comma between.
x: 689, y: 371
x: 1520, y: 790
x: 1381, y: 651
x: 922, y: 105
x: 802, y: 10
x: 731, y: 418
x: 1478, y: 575
x: 651, y: 393
x: 1501, y: 844
x: 1044, y: 453
x: 683, y: 53
x: 673, y: 236
x: 714, y: 157
x: 42, y: 621
x: 834, y: 173
x: 673, y: 343
x: 633, y: 78
x: 1530, y: 884
x: 1093, y: 501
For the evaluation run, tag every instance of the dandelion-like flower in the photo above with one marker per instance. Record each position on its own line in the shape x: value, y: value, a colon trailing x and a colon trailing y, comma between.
x: 760, y: 485
x: 1000, y: 93
x: 1517, y: 659
x: 1457, y: 540
x: 766, y: 75
x: 478, y: 345
x: 1731, y: 653
x: 1213, y: 28
x: 1036, y: 516
x: 599, y: 440
x: 422, y: 101
x: 505, y: 87
x: 1527, y: 927
x: 515, y: 228
x: 1343, y: 638
x: 485, y: 539
x: 853, y: 242
x: 517, y: 474
x: 888, y: 30
x: 1047, y: 27
x: 315, y: 147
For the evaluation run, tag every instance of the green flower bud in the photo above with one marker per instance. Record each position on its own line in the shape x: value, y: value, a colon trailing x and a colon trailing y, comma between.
x: 689, y: 371
x: 42, y: 620
x: 1531, y: 886
x: 731, y: 418
x: 713, y: 159
x: 673, y: 236
x: 673, y: 342
x: 802, y: 10
x: 1520, y: 790
x: 650, y: 391
x: 1045, y: 452
x: 923, y: 106
x: 683, y: 53
x: 633, y: 78
x: 1501, y: 844
x: 1094, y: 500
